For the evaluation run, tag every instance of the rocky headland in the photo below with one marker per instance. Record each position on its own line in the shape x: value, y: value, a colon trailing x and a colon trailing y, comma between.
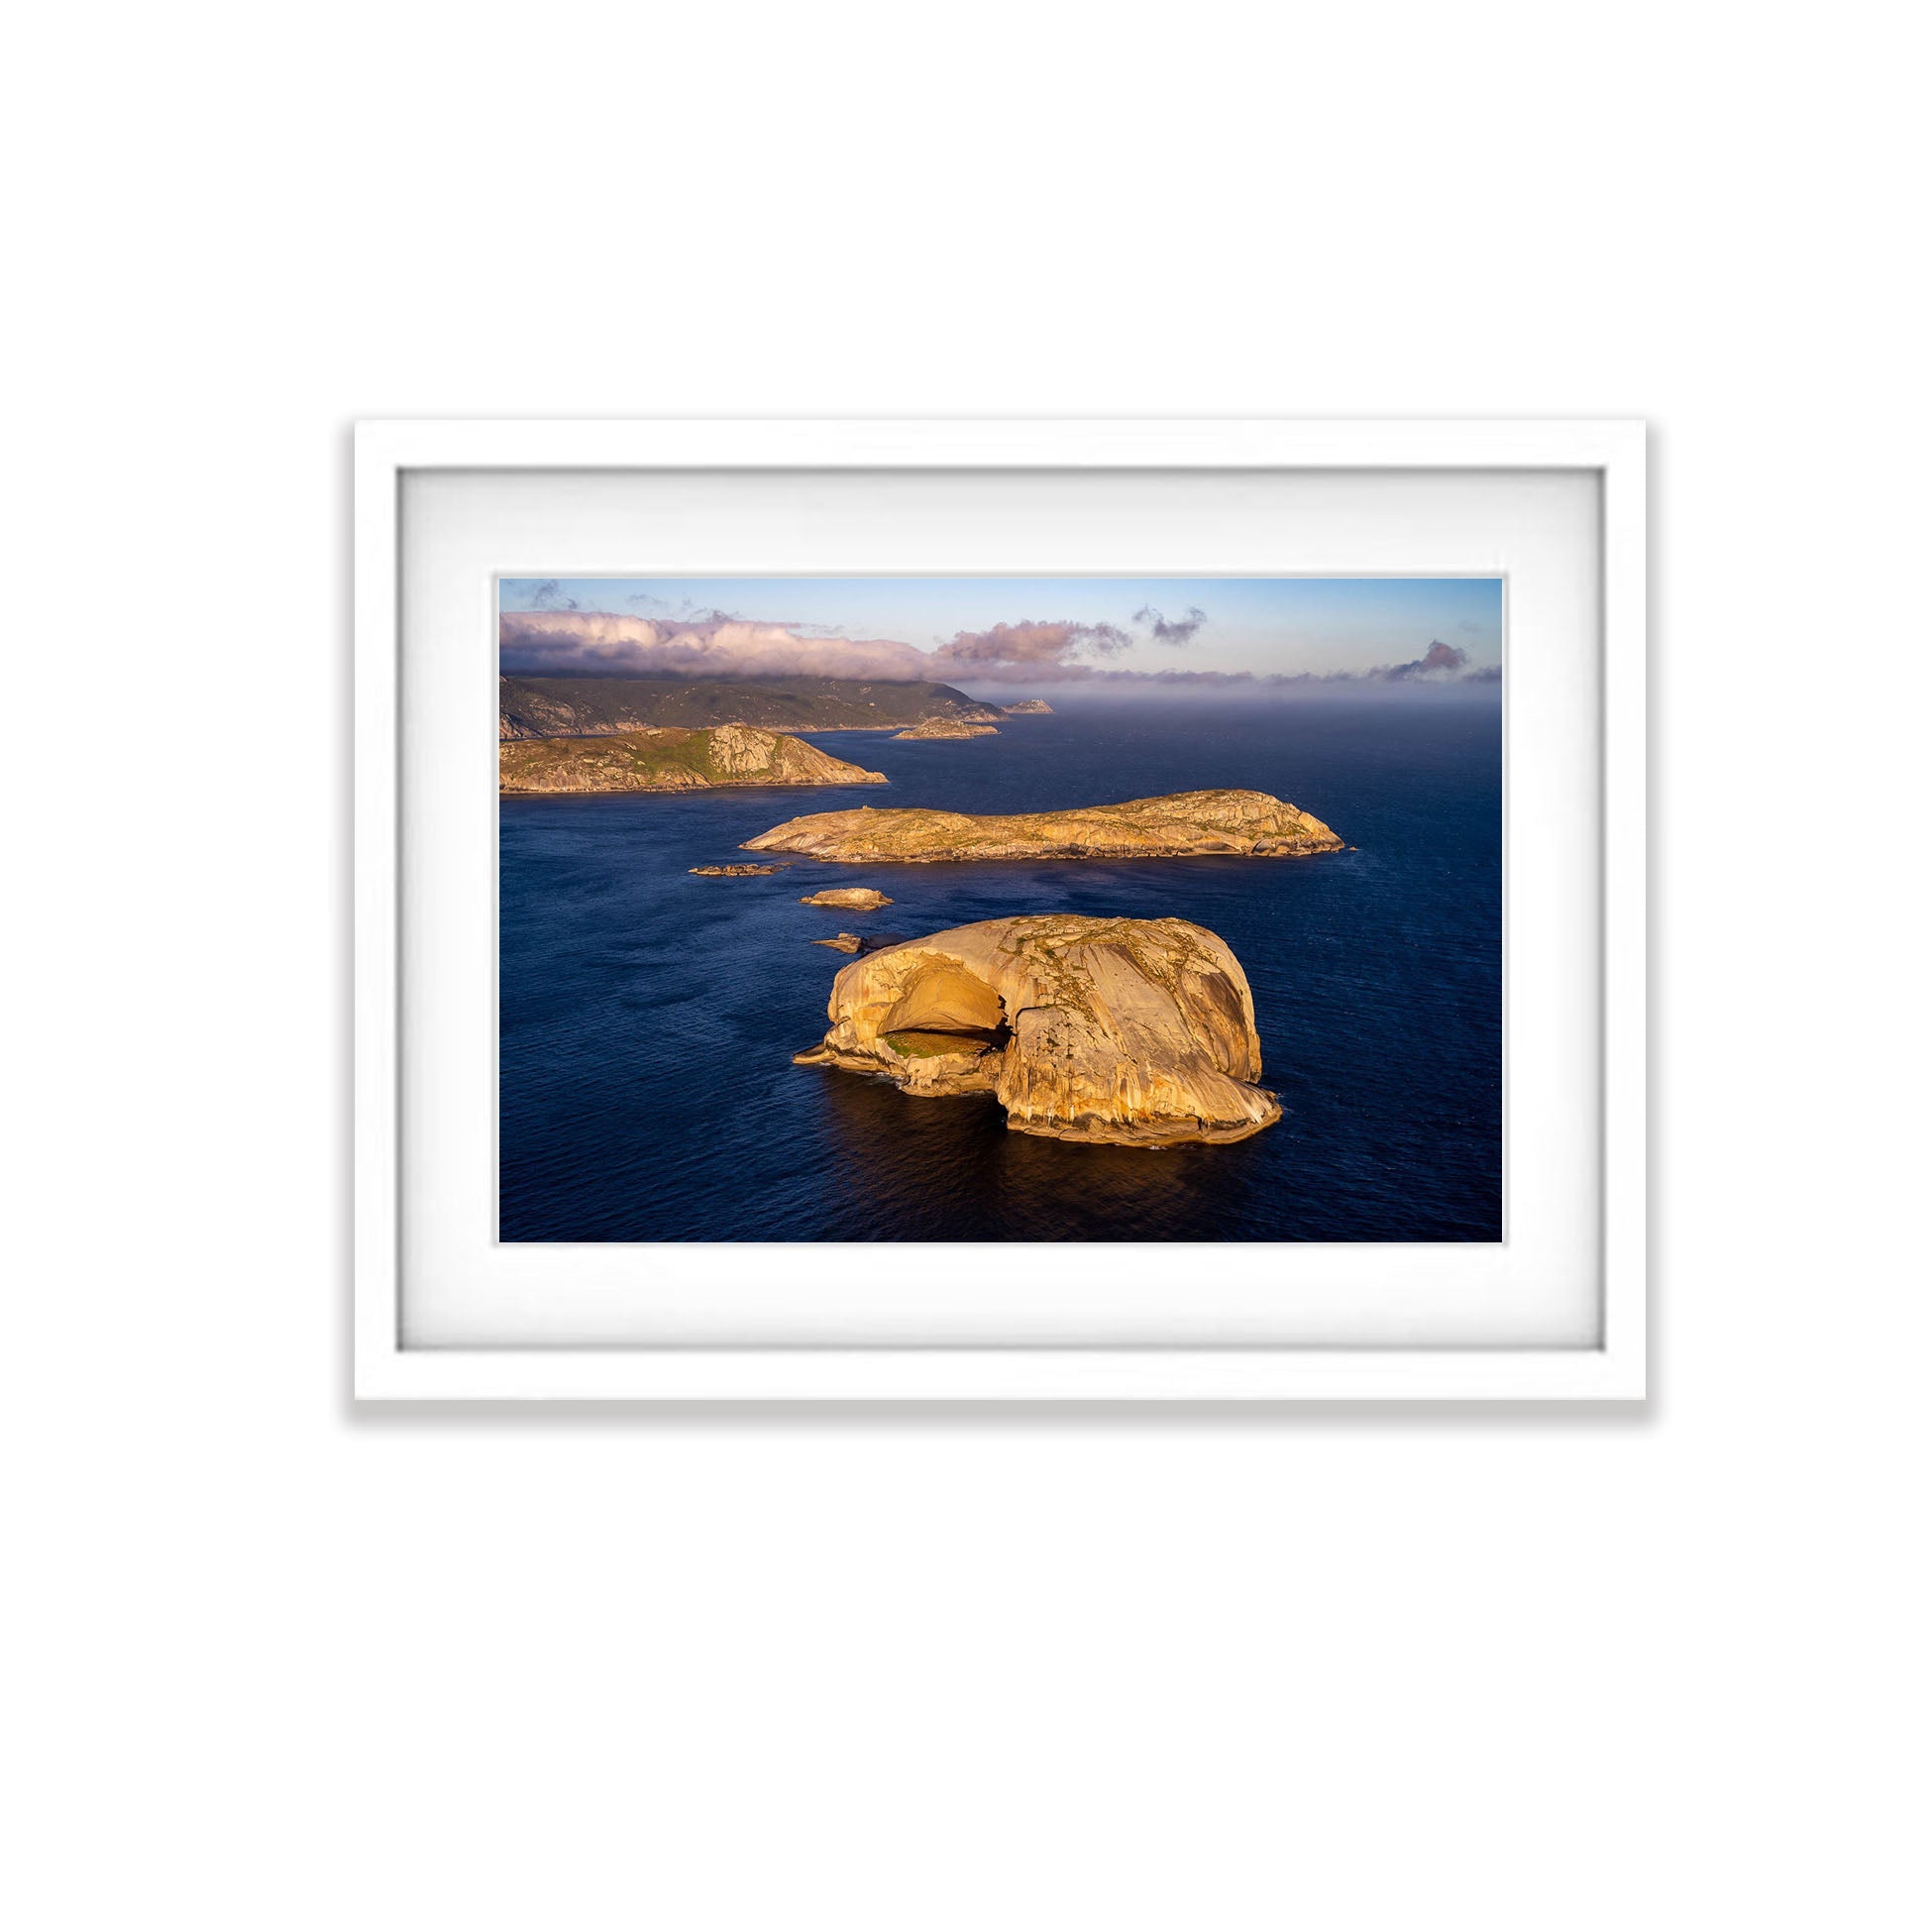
x: 1030, y: 708
x: 947, y: 727
x: 580, y: 707
x: 850, y: 898
x: 1139, y: 1033
x: 1247, y: 825
x: 670, y: 760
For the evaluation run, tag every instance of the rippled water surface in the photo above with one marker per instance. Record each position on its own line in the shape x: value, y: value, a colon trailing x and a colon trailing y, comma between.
x: 649, y: 1017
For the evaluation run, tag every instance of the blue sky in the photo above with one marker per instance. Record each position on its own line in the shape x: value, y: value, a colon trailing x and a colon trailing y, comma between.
x: 1258, y: 624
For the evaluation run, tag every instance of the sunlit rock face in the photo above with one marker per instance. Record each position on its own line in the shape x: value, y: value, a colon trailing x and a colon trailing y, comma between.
x: 1187, y: 824
x: 1139, y: 1032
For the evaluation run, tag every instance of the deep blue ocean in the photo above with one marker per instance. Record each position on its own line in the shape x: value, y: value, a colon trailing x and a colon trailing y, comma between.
x: 648, y: 1018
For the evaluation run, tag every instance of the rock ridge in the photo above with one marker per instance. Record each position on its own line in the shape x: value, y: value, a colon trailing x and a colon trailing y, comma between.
x: 577, y: 708
x: 946, y: 728
x: 1185, y: 824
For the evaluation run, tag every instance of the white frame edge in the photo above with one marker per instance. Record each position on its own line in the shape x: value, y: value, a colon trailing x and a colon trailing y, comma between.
x: 1615, y: 1372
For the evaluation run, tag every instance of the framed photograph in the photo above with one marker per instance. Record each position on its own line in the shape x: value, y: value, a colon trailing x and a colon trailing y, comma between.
x: 999, y: 911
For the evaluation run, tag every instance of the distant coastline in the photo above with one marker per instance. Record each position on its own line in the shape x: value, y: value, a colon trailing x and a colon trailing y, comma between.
x: 596, y: 708
x: 668, y: 758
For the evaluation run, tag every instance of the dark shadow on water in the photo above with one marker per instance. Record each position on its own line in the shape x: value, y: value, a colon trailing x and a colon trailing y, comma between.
x: 953, y: 1166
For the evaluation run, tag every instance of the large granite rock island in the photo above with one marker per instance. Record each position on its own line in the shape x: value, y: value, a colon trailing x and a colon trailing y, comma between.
x: 1139, y: 1032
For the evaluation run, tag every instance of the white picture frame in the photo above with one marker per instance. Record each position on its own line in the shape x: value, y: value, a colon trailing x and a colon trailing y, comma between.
x: 1611, y: 1367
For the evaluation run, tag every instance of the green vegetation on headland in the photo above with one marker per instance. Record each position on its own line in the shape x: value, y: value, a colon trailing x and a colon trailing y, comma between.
x: 559, y: 707
x: 670, y: 760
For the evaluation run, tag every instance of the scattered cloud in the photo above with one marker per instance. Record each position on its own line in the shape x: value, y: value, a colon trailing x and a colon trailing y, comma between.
x: 1176, y: 630
x: 648, y: 603
x: 548, y: 595
x: 1031, y: 642
x: 1438, y: 660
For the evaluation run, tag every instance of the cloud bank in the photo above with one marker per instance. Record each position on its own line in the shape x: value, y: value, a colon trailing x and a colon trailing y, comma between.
x: 601, y: 644
x: 1440, y: 666
x: 559, y: 640
x: 1032, y: 643
x: 1440, y: 657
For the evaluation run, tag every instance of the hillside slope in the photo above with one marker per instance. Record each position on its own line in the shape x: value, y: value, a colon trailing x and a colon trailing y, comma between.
x: 562, y: 707
x: 671, y: 761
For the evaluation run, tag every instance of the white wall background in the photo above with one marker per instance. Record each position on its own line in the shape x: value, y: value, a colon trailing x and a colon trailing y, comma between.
x: 277, y: 1664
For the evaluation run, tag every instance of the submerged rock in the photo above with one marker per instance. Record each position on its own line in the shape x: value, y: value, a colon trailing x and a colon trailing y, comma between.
x: 667, y: 760
x: 1189, y: 825
x: 1135, y: 1032
x: 851, y: 899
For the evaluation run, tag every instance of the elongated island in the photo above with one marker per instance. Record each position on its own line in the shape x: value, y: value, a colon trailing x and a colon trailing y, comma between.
x: 1247, y: 825
x: 946, y: 728
x: 1135, y: 1032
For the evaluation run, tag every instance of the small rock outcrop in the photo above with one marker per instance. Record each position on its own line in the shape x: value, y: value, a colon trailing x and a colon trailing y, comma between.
x: 736, y: 871
x: 851, y: 899
x: 1189, y: 825
x: 1139, y: 1033
x: 947, y: 727
x: 670, y: 760
x: 841, y: 943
